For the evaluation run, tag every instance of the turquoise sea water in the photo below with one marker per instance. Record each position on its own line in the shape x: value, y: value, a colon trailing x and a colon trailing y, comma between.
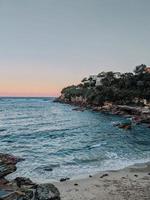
x: 58, y: 142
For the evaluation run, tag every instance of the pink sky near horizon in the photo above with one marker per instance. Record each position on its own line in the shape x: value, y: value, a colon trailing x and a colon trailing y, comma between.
x: 26, y: 92
x: 34, y: 80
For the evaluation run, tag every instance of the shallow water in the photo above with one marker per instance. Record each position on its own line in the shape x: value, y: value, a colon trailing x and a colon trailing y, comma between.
x: 59, y: 142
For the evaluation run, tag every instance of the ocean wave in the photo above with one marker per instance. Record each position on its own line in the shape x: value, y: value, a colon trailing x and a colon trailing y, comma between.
x: 46, y: 133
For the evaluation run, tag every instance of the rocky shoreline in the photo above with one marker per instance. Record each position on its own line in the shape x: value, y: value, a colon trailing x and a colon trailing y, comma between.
x: 137, y: 113
x: 22, y: 188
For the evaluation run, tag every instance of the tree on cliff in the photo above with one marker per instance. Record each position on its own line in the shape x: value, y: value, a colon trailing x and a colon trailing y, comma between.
x: 116, y: 87
x: 140, y: 69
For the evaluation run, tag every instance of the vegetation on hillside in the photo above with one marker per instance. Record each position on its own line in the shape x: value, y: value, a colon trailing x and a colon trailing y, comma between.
x: 116, y: 87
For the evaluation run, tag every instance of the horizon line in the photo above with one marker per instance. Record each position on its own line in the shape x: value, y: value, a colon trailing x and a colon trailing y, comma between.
x: 26, y: 96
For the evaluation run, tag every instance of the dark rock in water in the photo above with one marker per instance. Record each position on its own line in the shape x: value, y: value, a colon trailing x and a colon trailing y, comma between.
x: 104, y: 175
x: 9, y: 159
x: 8, y: 164
x: 79, y: 109
x: 48, y: 169
x: 21, y: 181
x: 64, y: 179
x: 3, y: 181
x: 126, y: 127
x: 6, y: 169
x: 47, y: 192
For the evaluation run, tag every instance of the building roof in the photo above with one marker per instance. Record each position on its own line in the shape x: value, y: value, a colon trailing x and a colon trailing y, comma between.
x: 147, y: 69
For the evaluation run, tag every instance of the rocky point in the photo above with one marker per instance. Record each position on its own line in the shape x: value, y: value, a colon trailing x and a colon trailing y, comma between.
x: 22, y: 188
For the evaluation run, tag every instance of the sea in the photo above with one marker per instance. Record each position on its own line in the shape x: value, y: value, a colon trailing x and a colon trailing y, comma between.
x: 57, y: 141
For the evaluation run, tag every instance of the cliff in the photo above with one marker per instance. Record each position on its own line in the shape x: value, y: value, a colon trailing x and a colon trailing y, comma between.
x: 115, y: 92
x: 114, y: 87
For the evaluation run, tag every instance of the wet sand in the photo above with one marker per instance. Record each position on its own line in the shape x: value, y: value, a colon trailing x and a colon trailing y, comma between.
x: 132, y: 183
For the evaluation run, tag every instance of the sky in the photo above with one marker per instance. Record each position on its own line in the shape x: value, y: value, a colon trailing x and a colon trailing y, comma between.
x: 46, y: 45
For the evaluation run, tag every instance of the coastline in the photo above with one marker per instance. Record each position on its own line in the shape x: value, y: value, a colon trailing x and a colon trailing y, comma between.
x: 140, y: 114
x: 130, y: 183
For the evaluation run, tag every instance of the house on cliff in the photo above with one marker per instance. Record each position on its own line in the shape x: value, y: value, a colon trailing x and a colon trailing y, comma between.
x: 147, y: 69
x: 96, y: 79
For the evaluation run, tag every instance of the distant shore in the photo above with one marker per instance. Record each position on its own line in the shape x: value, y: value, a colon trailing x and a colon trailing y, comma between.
x: 125, y: 94
x: 131, y: 183
x: 140, y: 114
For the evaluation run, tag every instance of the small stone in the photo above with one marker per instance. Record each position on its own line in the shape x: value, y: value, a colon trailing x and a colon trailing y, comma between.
x: 136, y: 175
x: 104, y: 175
x: 90, y: 176
x: 76, y: 184
x: 64, y: 179
x: 48, y: 169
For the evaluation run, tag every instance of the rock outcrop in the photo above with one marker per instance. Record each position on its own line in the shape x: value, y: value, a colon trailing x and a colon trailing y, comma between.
x: 22, y: 188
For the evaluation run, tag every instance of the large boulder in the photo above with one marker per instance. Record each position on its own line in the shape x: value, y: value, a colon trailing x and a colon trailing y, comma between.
x: 8, y: 164
x: 47, y: 192
x: 9, y: 159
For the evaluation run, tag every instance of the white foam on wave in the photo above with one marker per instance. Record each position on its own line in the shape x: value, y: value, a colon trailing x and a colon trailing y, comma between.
x: 112, y: 155
x: 96, y: 145
x: 117, y: 164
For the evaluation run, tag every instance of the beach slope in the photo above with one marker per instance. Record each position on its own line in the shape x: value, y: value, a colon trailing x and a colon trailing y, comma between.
x: 132, y: 183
